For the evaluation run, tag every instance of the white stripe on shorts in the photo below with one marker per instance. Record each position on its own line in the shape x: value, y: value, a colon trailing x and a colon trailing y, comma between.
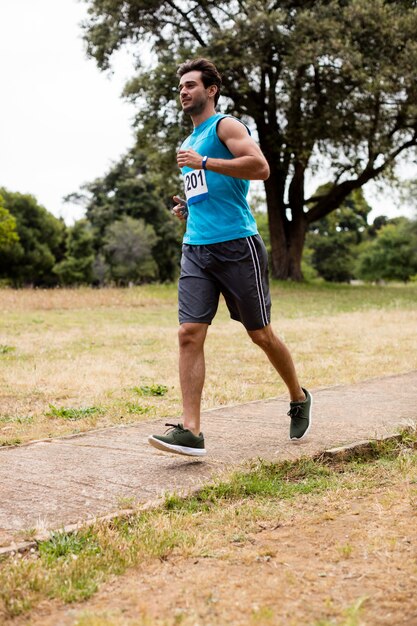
x: 258, y: 277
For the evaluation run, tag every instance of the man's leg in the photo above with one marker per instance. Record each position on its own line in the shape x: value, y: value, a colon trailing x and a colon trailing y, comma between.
x: 301, y: 400
x: 186, y: 438
x: 191, y: 338
x: 280, y: 357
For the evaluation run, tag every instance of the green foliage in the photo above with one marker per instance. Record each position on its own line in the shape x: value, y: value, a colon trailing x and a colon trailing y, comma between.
x: 263, y: 228
x: 4, y: 349
x: 8, y: 232
x: 333, y: 239
x: 72, y: 414
x: 288, y: 479
x: 130, y: 190
x: 392, y: 255
x: 324, y: 83
x: 62, y: 545
x: 40, y: 246
x: 151, y: 390
x: 128, y: 245
x: 77, y: 266
x: 137, y: 409
x: 332, y: 258
x: 27, y: 419
x: 11, y: 251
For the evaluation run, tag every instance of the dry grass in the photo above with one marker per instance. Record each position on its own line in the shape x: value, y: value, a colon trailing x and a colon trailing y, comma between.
x: 91, y: 348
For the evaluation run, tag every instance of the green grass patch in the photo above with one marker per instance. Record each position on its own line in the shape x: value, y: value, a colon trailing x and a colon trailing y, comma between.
x: 263, y: 480
x: 4, y: 349
x: 151, y: 390
x: 73, y: 414
x: 290, y: 479
x: 16, y: 419
x: 62, y: 545
x: 10, y: 442
x: 137, y: 409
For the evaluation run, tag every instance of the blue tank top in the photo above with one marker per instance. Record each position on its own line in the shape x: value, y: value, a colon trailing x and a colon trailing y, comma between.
x: 217, y: 204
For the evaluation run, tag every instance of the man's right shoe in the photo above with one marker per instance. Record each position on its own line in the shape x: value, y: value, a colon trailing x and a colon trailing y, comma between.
x: 179, y: 440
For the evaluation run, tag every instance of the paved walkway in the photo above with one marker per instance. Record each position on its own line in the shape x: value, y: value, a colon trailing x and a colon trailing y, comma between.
x: 54, y: 483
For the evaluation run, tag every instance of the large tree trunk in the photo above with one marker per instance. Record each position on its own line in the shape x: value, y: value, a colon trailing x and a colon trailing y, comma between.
x: 287, y: 242
x: 286, y: 236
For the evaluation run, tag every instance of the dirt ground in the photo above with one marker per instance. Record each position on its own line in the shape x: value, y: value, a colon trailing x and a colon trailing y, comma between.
x: 347, y: 558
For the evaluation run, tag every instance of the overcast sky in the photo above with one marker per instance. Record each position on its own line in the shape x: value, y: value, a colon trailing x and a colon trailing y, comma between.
x: 62, y: 121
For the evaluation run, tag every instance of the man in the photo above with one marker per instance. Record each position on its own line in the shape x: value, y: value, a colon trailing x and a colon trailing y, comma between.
x: 222, y: 253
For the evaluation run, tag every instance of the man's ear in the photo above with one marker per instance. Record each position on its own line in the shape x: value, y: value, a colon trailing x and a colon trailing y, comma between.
x: 212, y: 90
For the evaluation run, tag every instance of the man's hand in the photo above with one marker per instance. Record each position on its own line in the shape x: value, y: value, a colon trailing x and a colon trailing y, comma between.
x: 189, y: 158
x: 180, y: 210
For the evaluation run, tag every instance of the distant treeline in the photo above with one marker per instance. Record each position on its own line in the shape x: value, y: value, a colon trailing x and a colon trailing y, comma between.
x: 129, y: 236
x: 126, y: 237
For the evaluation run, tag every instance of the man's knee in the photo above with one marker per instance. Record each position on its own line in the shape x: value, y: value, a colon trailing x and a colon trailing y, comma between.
x: 191, y: 334
x: 264, y: 337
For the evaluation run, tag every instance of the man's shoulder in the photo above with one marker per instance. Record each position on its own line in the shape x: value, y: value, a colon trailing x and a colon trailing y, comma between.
x: 227, y: 124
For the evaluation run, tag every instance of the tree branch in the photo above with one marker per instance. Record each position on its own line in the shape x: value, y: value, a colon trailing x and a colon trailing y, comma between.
x: 191, y: 28
x: 209, y: 14
x: 328, y: 203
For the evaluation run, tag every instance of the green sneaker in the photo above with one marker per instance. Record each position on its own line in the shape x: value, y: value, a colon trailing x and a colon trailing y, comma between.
x: 179, y: 440
x: 301, y: 417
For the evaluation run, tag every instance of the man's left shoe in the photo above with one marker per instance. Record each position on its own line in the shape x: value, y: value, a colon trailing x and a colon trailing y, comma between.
x: 301, y: 417
x: 179, y: 440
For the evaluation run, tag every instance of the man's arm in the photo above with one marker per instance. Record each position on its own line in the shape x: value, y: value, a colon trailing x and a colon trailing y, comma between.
x: 180, y: 209
x: 248, y: 162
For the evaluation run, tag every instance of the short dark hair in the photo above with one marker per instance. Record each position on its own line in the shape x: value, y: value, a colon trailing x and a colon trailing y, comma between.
x: 209, y: 73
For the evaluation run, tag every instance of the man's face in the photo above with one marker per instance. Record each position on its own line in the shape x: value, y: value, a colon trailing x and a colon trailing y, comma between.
x: 193, y: 95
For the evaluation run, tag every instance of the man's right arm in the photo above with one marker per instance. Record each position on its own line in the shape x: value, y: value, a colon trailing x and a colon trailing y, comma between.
x: 248, y: 162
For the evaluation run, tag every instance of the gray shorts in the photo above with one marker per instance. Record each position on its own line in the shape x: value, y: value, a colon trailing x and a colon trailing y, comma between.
x: 238, y: 269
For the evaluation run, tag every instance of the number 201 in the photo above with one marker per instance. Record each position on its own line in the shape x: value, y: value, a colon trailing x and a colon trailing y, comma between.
x: 193, y: 180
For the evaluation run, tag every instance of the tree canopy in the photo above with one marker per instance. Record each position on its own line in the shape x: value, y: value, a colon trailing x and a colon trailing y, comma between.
x: 130, y: 190
x: 128, y: 250
x: 333, y: 240
x: 40, y: 242
x: 77, y: 266
x: 8, y: 232
x: 325, y: 83
x: 392, y: 255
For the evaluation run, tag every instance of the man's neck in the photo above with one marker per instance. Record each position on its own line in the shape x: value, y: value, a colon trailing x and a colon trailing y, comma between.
x: 202, y: 117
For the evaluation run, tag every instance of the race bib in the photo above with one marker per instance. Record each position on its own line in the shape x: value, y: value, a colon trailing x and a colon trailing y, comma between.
x: 195, y: 186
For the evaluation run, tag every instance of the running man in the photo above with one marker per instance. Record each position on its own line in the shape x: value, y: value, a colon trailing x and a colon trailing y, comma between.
x: 222, y: 253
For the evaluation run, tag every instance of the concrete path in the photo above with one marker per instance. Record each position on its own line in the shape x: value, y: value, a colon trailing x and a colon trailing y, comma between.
x: 54, y: 483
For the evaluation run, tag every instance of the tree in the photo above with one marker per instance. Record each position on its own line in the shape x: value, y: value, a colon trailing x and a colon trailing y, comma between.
x: 41, y: 240
x: 77, y: 266
x: 128, y: 190
x: 392, y: 255
x: 128, y: 251
x: 327, y: 83
x: 10, y: 248
x: 8, y: 232
x: 334, y: 239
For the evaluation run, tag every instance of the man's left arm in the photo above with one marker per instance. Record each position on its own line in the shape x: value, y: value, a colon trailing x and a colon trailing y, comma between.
x: 248, y: 162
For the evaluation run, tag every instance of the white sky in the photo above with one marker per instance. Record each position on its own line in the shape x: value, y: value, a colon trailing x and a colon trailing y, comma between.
x: 62, y: 121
